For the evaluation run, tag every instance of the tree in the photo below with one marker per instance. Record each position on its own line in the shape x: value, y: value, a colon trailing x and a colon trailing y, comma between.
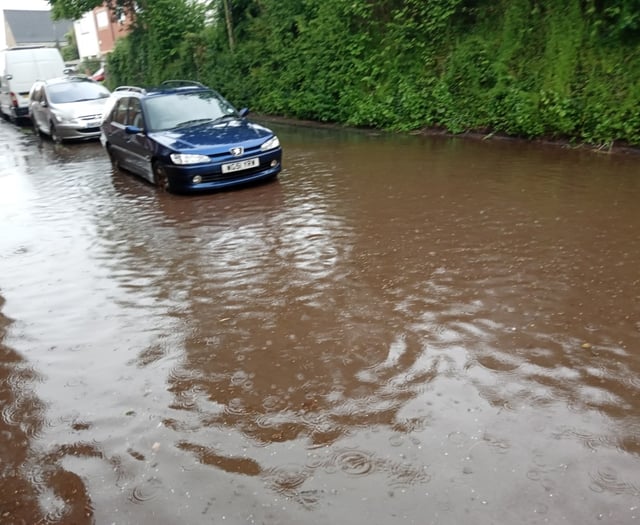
x: 70, y: 51
x: 74, y: 9
x: 227, y: 17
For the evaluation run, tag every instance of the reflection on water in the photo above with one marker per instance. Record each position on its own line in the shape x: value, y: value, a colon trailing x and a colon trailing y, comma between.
x: 400, y: 328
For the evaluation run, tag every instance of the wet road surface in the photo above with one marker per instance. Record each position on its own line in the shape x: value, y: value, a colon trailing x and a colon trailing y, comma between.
x: 399, y: 330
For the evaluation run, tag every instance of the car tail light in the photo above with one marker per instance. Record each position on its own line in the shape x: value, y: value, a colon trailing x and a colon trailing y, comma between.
x: 14, y: 99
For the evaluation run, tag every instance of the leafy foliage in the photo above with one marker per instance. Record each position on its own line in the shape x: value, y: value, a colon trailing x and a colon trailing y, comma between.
x: 530, y: 68
x: 70, y: 50
x: 74, y: 9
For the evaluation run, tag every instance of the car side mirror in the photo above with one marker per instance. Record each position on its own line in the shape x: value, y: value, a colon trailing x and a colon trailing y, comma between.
x: 243, y: 112
x: 8, y: 77
x: 132, y: 130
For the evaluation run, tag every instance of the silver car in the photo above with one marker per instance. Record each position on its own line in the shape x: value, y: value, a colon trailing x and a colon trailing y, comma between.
x: 67, y: 108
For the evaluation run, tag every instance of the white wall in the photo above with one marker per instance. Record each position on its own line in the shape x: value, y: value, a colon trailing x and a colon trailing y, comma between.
x: 87, y: 36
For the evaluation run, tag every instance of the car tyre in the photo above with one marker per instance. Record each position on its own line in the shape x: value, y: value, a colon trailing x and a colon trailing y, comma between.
x: 112, y: 157
x: 55, y: 137
x: 160, y: 177
x: 36, y: 128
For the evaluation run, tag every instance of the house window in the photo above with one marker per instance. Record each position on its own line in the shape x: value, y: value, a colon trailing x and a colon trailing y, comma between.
x: 102, y: 19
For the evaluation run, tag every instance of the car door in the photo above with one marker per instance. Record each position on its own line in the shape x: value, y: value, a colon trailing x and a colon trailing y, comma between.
x: 115, y: 132
x: 35, y: 107
x: 137, y: 143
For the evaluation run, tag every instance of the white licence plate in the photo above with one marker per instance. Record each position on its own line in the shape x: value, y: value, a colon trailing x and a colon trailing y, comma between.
x: 240, y: 165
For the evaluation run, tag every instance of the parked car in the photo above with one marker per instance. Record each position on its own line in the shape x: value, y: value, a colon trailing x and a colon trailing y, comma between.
x: 68, y: 108
x: 99, y: 76
x: 20, y: 67
x: 186, y: 137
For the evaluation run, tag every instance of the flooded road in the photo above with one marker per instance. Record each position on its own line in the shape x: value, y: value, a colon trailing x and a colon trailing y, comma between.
x: 399, y: 330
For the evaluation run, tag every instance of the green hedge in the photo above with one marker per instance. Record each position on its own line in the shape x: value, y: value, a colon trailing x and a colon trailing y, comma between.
x: 530, y: 68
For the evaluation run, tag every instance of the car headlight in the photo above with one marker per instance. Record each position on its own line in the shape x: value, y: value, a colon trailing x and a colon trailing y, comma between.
x: 63, y: 118
x: 184, y: 158
x: 272, y: 143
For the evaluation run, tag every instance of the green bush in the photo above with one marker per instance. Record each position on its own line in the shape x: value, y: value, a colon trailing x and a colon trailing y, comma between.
x: 531, y: 68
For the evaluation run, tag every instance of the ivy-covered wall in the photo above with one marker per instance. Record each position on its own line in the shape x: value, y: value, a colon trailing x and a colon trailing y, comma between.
x: 533, y: 68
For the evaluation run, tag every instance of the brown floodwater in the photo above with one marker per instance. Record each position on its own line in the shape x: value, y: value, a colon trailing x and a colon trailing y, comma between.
x: 409, y: 329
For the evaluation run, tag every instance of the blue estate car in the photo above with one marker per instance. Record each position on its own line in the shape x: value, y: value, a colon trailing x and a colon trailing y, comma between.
x: 185, y: 137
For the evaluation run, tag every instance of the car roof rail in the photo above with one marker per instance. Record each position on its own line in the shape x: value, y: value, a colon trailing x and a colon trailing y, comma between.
x: 24, y: 47
x: 130, y: 88
x: 182, y: 83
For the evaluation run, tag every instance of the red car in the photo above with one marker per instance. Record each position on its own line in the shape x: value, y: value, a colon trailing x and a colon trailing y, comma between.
x: 98, y: 76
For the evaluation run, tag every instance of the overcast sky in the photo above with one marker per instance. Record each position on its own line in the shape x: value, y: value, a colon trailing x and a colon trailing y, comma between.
x: 25, y: 4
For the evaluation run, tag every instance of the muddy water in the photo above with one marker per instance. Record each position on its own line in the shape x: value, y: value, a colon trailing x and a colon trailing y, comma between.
x: 399, y: 330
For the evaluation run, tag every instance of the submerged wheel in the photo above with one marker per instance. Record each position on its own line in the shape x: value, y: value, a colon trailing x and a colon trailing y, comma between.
x: 54, y: 133
x: 36, y: 128
x: 160, y: 177
x: 112, y: 157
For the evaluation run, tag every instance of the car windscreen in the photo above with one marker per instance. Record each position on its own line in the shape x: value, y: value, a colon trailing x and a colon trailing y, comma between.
x: 175, y: 110
x: 75, y: 92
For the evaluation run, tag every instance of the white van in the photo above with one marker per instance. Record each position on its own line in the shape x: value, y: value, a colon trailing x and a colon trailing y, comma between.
x: 20, y: 67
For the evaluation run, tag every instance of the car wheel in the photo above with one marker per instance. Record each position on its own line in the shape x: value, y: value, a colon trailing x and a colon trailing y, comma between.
x: 54, y: 133
x: 112, y: 157
x: 160, y: 177
x: 36, y: 128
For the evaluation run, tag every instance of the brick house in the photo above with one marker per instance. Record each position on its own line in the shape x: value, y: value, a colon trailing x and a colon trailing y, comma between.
x: 97, y: 32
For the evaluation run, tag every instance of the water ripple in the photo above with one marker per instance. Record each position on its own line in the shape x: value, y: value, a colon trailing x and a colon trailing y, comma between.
x: 353, y: 462
x: 286, y: 479
x: 147, y: 490
x: 607, y: 479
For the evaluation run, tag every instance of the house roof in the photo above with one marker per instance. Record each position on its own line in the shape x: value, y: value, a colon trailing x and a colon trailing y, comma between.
x: 35, y: 27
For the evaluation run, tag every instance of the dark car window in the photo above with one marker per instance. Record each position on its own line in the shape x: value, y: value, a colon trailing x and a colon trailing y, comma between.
x: 75, y: 91
x: 134, y: 117
x: 177, y: 109
x: 37, y: 93
x: 120, y: 111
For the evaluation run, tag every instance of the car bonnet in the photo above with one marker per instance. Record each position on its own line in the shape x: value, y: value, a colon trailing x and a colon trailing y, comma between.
x: 213, y: 137
x: 83, y: 108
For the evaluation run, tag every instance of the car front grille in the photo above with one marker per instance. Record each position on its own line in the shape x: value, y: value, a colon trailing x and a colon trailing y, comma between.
x: 219, y: 177
x: 90, y: 118
x: 222, y: 156
x: 97, y: 116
